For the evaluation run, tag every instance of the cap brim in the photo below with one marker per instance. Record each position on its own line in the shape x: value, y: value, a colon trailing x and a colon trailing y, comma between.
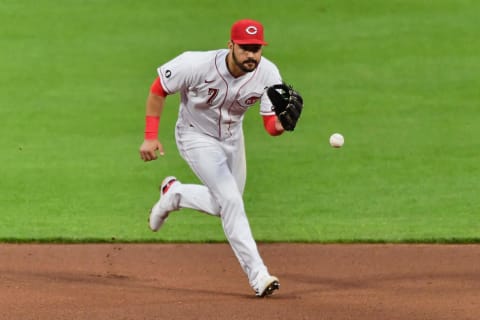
x: 263, y: 43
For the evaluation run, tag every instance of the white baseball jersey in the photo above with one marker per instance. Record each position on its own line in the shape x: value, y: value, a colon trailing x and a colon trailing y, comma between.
x: 209, y: 137
x: 212, y: 100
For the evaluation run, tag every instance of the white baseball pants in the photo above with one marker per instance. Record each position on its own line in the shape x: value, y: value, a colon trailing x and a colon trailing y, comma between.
x: 221, y: 166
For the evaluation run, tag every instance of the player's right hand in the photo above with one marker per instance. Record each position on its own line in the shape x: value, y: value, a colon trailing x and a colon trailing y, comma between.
x: 148, y: 150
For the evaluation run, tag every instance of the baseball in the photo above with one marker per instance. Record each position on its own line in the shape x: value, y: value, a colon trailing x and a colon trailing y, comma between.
x: 336, y: 140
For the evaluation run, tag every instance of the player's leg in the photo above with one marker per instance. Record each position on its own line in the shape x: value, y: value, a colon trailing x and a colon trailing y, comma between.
x: 208, y: 159
x: 237, y: 161
x: 197, y: 197
x: 263, y: 283
x: 180, y: 195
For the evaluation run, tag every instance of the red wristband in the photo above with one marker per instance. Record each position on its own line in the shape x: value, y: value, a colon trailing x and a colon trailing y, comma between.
x: 269, y: 124
x: 151, y: 127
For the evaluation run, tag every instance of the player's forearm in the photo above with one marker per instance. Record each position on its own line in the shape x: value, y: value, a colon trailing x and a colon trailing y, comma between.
x: 272, y: 125
x: 154, y: 105
x: 153, y: 113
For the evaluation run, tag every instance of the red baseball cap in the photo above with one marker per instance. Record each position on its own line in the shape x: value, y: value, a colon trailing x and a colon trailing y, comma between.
x: 247, y: 32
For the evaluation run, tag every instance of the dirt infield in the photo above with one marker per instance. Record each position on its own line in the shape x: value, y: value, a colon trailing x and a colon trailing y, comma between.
x: 204, y: 281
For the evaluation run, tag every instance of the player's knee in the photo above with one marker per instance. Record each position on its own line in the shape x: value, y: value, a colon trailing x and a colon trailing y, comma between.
x: 231, y: 199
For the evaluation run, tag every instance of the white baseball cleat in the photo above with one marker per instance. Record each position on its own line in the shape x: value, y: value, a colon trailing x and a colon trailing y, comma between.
x: 160, y: 211
x: 266, y: 286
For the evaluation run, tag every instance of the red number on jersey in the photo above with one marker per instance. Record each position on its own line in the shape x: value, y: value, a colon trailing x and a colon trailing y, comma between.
x: 213, y: 94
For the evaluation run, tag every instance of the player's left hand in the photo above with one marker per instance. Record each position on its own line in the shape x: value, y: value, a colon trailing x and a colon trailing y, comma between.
x: 148, y: 150
x: 287, y: 104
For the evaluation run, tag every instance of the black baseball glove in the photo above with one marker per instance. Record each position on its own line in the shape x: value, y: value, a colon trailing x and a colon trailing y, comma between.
x: 287, y: 104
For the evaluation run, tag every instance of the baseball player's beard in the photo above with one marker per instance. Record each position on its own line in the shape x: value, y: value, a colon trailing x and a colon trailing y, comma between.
x: 244, y: 66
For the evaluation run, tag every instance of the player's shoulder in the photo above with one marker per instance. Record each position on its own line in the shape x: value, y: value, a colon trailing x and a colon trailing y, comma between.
x: 267, y: 69
x: 267, y: 62
x: 267, y: 66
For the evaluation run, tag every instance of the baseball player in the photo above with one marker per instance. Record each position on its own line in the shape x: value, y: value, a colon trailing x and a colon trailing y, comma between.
x: 217, y: 88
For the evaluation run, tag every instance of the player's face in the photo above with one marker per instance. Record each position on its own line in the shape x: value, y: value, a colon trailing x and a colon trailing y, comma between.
x: 246, y: 56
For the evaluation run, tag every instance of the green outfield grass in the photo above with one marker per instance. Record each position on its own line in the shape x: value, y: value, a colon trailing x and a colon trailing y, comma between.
x: 399, y: 79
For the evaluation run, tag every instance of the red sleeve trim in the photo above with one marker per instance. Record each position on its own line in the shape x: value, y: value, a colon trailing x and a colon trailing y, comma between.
x: 157, y: 88
x: 269, y: 124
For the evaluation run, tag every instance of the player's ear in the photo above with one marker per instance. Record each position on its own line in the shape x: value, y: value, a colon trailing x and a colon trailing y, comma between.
x: 230, y: 44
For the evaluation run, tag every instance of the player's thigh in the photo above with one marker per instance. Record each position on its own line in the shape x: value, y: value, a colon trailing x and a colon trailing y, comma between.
x: 209, y: 161
x: 237, y: 162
